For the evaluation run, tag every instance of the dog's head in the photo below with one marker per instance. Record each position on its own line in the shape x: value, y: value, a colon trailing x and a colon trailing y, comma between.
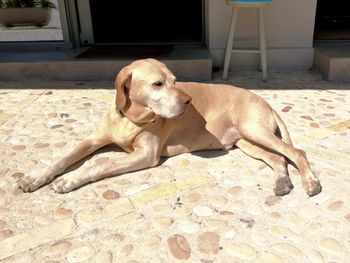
x: 146, y: 91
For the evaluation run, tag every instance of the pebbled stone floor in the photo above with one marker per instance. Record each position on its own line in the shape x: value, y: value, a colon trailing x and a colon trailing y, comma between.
x: 201, y: 207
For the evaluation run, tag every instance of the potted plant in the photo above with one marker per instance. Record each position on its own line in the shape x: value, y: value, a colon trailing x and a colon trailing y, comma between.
x: 25, y: 12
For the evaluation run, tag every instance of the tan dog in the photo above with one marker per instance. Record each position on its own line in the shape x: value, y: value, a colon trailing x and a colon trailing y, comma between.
x: 154, y: 116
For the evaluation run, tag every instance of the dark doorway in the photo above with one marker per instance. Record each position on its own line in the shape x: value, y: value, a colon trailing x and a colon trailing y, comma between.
x: 147, y: 21
x: 332, y: 20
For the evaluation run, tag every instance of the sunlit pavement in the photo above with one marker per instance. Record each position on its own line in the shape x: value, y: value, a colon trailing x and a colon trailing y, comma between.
x: 201, y: 207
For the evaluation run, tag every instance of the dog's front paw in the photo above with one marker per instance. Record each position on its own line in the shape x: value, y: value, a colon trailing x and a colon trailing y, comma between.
x: 65, y: 184
x: 312, y: 186
x: 283, y: 186
x: 32, y: 181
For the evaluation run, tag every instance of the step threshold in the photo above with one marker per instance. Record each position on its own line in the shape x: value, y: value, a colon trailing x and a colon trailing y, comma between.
x: 187, y: 64
x: 333, y: 62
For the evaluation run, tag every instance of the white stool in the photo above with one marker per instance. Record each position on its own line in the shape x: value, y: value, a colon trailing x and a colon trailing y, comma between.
x: 261, y: 32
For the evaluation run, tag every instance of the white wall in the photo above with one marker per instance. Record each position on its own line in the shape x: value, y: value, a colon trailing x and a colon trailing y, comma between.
x: 289, y: 26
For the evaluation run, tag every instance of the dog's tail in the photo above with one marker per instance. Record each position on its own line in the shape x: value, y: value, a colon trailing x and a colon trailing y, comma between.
x: 282, y: 129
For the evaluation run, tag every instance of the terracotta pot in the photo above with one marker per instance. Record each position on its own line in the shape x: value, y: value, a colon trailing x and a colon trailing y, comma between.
x: 25, y: 16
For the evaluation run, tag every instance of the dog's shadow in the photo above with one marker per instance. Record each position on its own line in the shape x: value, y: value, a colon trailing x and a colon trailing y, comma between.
x: 114, y: 149
x: 207, y: 154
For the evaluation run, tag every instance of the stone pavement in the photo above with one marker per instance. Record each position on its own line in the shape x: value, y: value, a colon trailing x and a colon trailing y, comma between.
x: 201, y: 207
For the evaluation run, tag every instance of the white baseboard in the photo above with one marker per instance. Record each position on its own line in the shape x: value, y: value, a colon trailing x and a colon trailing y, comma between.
x: 277, y: 59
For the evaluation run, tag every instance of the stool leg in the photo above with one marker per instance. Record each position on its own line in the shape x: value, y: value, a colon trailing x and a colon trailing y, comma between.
x: 229, y: 42
x: 262, y: 43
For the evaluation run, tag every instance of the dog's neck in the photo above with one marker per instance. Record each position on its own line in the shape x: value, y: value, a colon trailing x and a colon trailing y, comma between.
x: 136, y: 113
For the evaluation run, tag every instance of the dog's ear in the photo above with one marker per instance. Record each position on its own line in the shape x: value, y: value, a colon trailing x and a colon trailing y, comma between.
x: 122, y: 80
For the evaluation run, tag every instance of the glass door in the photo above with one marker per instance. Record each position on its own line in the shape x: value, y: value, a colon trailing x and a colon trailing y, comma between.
x: 332, y: 21
x: 29, y: 21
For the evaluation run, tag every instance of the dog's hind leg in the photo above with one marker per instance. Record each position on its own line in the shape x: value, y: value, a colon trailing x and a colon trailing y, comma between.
x: 275, y: 161
x: 262, y: 136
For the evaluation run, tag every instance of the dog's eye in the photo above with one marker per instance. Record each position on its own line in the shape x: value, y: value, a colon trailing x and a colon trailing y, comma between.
x: 158, y: 84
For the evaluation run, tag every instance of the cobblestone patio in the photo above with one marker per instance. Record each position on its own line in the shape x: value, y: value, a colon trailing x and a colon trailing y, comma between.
x: 201, y: 207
